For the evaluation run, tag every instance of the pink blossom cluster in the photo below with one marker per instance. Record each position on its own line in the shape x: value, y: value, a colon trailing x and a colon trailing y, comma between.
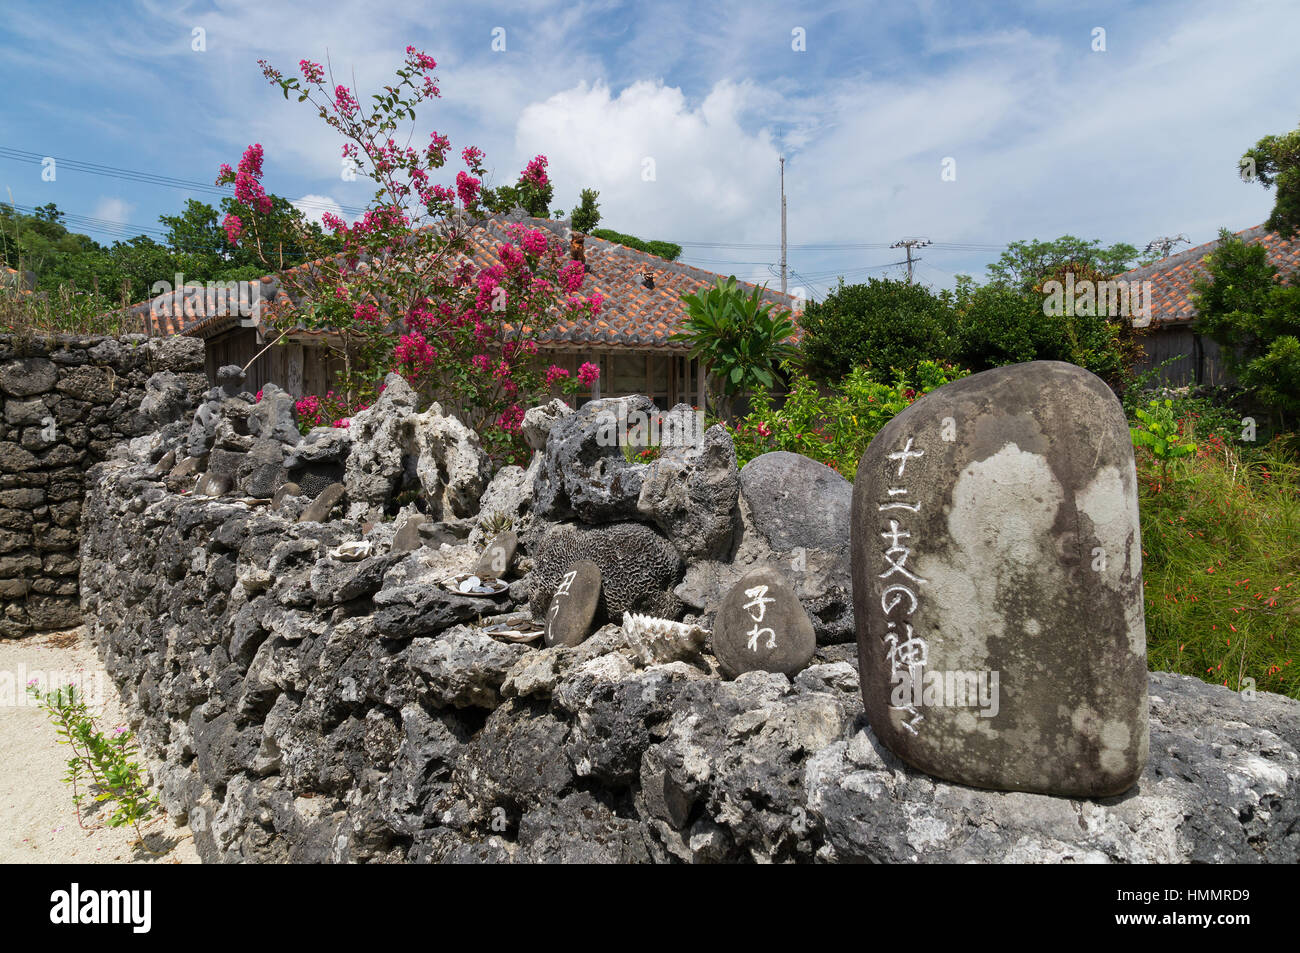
x: 313, y: 73
x: 366, y: 313
x: 511, y: 419
x: 234, y: 227
x: 248, y: 185
x: 419, y: 59
x: 588, y: 374
x: 414, y: 354
x: 344, y: 102
x: 571, y: 276
x: 436, y: 151
x: 467, y: 188
x: 535, y: 172
x: 555, y: 373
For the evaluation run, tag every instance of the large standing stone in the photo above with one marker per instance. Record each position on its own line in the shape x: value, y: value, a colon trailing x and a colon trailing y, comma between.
x: 997, y: 581
x: 795, y: 502
x: 573, y: 607
x: 761, y: 627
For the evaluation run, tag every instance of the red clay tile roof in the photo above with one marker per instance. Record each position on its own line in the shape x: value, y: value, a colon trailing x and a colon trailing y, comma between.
x: 1171, y: 278
x: 632, y: 315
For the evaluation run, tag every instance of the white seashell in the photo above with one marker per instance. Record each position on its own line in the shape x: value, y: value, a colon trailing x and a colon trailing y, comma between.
x: 662, y: 640
x: 352, y: 551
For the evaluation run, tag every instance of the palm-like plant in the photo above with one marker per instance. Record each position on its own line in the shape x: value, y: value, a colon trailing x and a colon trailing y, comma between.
x: 737, y: 337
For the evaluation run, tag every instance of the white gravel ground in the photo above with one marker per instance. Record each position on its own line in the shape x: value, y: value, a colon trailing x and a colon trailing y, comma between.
x: 38, y: 824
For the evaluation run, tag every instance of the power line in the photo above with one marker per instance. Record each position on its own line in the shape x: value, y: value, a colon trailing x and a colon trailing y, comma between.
x: 147, y: 178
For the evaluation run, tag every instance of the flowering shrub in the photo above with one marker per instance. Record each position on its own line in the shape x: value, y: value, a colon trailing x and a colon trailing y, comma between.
x: 401, y: 297
x: 332, y: 410
x: 833, y: 428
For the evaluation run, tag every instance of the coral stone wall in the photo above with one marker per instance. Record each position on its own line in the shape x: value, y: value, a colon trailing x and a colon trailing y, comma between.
x: 312, y: 701
x: 65, y: 402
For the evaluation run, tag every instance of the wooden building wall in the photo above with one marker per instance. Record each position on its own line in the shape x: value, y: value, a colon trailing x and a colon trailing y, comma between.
x: 668, y: 377
x: 297, y: 366
x: 1200, y: 361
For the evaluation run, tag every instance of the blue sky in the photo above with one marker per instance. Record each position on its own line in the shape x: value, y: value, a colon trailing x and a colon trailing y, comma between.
x: 1048, y: 135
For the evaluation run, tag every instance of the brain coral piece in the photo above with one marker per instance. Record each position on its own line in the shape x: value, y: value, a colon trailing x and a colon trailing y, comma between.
x: 638, y: 568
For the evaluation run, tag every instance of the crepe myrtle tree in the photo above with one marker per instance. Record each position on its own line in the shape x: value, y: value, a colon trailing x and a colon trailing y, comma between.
x: 402, y: 295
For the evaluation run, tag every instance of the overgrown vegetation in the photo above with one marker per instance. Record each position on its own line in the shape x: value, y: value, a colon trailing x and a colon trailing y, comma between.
x: 1242, y: 305
x: 668, y: 250
x: 833, y: 425
x: 738, y: 337
x: 1221, y: 565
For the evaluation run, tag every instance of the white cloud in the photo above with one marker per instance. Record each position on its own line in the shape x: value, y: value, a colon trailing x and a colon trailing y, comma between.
x: 113, y: 210
x: 316, y: 206
x: 710, y: 172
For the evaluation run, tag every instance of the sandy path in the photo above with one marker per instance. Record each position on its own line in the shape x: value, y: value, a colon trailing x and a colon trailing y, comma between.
x: 38, y: 824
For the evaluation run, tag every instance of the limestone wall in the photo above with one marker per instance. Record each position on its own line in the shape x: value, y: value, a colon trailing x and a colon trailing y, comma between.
x: 309, y: 705
x: 64, y: 404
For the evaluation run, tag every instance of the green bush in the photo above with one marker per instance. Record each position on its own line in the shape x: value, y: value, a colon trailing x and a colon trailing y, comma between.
x: 884, y: 325
x: 997, y: 325
x: 1254, y: 319
x: 667, y: 250
x: 737, y: 338
x: 833, y: 425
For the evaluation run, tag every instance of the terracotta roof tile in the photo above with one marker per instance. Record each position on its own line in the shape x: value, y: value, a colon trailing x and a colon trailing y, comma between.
x: 1172, y: 278
x: 631, y: 315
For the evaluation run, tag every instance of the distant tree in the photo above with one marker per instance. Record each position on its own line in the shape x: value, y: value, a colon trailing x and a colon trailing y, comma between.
x: 1275, y: 160
x: 1254, y: 319
x: 886, y: 325
x: 1025, y: 265
x: 997, y: 325
x: 586, y: 214
x: 194, y: 246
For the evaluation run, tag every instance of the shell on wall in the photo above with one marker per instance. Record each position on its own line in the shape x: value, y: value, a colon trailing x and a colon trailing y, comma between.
x: 662, y: 640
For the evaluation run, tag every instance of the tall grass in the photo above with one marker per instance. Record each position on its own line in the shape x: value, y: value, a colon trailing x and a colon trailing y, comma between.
x: 1221, y: 547
x: 66, y: 310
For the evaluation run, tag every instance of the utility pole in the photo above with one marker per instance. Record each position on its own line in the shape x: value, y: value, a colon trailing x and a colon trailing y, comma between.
x: 909, y: 244
x: 783, y: 261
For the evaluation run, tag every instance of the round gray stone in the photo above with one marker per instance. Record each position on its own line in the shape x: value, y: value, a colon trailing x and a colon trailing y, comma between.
x: 318, y: 511
x: 762, y: 627
x: 795, y: 501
